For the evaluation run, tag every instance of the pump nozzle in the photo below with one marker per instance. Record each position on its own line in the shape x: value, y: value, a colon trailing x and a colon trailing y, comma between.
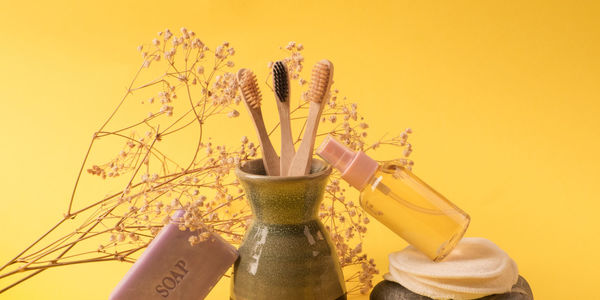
x: 356, y: 167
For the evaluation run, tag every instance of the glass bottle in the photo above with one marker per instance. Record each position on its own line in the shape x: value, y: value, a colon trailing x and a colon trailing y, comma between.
x: 400, y: 200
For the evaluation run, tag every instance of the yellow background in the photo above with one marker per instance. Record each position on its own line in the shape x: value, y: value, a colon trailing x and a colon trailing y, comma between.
x: 503, y: 98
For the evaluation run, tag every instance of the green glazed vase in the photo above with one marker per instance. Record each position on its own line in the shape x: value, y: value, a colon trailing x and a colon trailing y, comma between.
x: 286, y: 253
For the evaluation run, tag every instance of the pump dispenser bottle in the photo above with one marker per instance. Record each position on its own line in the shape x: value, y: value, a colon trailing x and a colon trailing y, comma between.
x: 397, y: 198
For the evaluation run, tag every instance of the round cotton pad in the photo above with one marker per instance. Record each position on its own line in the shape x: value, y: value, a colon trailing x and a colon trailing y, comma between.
x: 474, y: 269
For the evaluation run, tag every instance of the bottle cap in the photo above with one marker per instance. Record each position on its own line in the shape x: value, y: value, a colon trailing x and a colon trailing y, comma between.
x: 356, y: 167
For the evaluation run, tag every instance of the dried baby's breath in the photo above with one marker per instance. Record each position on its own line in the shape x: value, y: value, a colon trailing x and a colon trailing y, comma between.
x: 196, y: 86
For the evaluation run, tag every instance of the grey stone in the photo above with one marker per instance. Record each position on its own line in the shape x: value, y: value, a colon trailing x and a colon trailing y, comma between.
x: 389, y: 290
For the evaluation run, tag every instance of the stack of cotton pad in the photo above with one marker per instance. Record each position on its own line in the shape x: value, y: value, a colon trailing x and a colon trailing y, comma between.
x: 474, y: 269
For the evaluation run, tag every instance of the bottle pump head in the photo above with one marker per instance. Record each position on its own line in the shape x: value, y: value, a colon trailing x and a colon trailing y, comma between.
x: 356, y: 167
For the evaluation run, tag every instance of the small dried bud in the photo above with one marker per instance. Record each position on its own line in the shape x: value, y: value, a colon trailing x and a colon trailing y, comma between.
x: 233, y: 114
x: 193, y: 240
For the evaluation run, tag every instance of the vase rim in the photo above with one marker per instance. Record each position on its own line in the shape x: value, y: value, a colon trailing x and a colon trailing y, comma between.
x: 323, y: 170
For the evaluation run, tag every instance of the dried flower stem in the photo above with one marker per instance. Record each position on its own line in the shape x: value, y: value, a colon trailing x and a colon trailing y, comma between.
x: 125, y: 221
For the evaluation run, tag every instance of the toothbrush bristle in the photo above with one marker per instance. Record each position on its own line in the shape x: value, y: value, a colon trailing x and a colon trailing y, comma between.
x: 319, y: 81
x: 280, y: 81
x: 249, y: 87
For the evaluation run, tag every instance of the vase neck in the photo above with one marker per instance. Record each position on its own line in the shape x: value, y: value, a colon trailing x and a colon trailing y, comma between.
x: 287, y: 202
x: 280, y: 199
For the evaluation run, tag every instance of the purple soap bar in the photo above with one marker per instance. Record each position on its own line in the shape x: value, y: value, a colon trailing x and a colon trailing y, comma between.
x: 171, y: 268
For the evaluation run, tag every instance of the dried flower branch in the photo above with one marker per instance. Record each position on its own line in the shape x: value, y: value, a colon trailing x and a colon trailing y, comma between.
x: 191, y: 86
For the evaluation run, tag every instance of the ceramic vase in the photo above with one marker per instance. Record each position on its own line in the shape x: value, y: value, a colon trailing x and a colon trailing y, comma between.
x: 286, y: 253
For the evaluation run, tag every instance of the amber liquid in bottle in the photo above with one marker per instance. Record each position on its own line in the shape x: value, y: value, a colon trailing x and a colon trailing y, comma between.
x: 414, y: 211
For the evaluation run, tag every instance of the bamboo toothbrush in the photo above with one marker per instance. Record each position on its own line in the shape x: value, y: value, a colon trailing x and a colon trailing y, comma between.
x: 252, y: 97
x: 322, y: 76
x: 281, y: 84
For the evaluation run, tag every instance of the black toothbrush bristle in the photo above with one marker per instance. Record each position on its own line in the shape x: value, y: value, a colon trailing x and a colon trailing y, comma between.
x: 280, y: 81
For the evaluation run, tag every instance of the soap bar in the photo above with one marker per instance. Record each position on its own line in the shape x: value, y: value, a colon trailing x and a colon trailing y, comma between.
x: 171, y: 268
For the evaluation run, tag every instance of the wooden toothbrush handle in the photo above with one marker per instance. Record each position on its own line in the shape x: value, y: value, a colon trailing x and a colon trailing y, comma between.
x: 269, y: 155
x: 303, y: 158
x: 287, y: 142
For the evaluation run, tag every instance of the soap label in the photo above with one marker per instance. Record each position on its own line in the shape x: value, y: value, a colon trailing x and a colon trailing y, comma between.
x: 171, y: 281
